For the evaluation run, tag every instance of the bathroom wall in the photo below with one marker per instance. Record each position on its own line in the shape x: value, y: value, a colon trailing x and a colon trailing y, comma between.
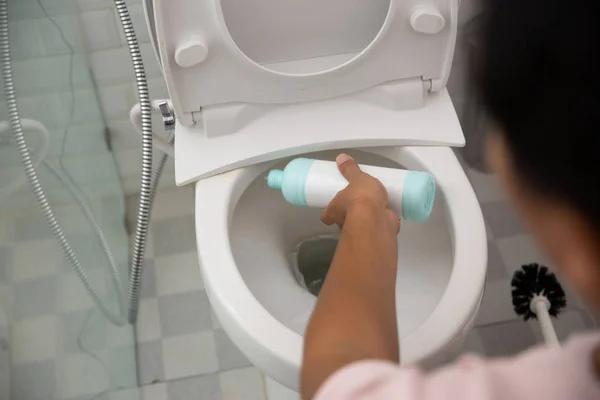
x: 108, y: 61
x: 112, y: 68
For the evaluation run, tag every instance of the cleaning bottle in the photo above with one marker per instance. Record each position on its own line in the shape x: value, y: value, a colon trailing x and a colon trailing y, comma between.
x: 314, y: 183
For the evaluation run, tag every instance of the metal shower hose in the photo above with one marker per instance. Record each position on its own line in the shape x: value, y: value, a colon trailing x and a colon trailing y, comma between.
x: 148, y: 180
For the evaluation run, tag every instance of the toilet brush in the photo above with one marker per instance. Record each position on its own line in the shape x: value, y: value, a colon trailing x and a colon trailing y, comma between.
x: 537, y: 294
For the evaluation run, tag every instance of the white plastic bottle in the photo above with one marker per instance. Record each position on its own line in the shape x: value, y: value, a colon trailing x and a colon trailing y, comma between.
x: 314, y: 183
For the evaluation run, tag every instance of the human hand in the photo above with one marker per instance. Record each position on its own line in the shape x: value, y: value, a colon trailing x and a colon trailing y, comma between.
x: 363, y: 192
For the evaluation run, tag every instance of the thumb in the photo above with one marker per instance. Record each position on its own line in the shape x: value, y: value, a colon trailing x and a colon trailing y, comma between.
x: 348, y: 167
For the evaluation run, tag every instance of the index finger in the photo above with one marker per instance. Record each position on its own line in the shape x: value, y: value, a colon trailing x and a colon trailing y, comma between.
x: 348, y: 167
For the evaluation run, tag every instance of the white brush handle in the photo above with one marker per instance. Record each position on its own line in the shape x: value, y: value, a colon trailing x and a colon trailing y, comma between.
x: 540, y: 306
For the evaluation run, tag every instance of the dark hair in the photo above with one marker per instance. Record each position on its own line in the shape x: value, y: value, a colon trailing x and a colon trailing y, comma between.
x: 538, y: 77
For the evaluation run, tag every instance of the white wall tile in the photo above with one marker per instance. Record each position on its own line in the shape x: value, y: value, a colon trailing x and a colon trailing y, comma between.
x: 49, y: 109
x: 50, y: 74
x: 42, y: 80
x: 23, y: 201
x: 55, y: 7
x: 117, y: 100
x: 112, y: 66
x: 80, y: 139
x: 36, y: 75
x: 61, y: 34
x: 100, y: 29
x: 22, y: 9
x: 85, y: 5
x: 40, y: 108
x: 55, y: 146
x: 91, y: 168
x: 81, y: 107
x: 25, y: 39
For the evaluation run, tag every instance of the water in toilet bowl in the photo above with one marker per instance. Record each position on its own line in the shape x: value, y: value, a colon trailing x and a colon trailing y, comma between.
x: 311, y: 260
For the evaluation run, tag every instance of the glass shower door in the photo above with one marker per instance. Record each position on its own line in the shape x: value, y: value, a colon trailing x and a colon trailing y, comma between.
x: 55, y: 342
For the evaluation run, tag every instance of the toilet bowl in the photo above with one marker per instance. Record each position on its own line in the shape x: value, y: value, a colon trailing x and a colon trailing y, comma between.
x: 254, y: 83
x: 247, y: 235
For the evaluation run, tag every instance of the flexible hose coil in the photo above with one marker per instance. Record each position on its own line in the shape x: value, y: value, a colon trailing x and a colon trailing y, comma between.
x: 147, y: 186
x: 145, y: 204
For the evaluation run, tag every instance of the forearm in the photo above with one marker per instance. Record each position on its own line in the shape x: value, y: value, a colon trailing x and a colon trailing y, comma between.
x: 355, y: 315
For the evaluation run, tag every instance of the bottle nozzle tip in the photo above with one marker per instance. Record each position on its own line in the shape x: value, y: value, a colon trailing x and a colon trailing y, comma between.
x: 275, y: 179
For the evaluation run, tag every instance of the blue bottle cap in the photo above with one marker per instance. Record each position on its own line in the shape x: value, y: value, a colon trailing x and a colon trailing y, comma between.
x: 275, y: 179
x: 418, y: 196
x: 292, y: 180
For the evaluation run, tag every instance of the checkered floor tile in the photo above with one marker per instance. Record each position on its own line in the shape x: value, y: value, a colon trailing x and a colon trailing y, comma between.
x: 182, y: 349
x: 58, y: 343
x: 54, y: 342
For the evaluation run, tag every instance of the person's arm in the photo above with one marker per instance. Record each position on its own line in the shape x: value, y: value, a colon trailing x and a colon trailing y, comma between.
x: 355, y: 315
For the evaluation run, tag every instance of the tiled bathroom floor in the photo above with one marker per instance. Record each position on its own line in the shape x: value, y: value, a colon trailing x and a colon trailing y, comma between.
x: 184, y: 354
x: 54, y: 342
x: 182, y: 351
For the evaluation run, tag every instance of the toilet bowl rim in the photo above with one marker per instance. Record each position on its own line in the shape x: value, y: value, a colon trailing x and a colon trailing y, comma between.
x: 456, y: 306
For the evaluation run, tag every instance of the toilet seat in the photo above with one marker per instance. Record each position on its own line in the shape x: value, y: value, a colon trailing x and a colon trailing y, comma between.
x: 277, y: 349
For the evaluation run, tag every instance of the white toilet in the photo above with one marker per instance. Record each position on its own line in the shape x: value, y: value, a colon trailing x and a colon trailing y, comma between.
x: 255, y: 83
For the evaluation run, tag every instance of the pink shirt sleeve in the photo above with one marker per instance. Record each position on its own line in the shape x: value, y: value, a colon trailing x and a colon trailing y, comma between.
x: 541, y: 373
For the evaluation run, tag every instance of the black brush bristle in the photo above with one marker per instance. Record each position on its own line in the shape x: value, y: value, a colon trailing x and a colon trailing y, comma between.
x: 534, y: 279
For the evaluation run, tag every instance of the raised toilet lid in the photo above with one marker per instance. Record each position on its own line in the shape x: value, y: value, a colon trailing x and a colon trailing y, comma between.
x: 245, y: 258
x: 258, y: 80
